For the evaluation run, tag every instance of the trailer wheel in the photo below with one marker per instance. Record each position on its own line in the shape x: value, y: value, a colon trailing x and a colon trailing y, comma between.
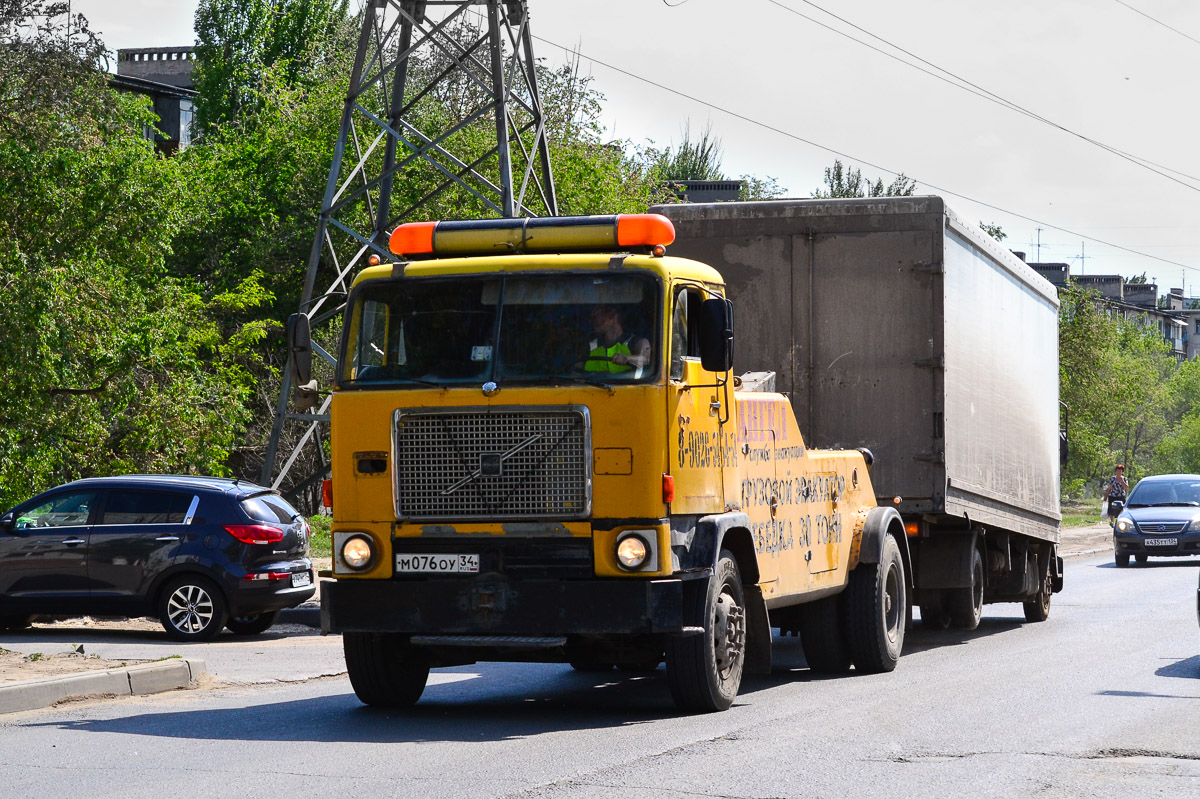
x: 705, y: 670
x: 1038, y: 608
x: 823, y: 636
x: 385, y: 670
x: 875, y: 602
x: 966, y: 604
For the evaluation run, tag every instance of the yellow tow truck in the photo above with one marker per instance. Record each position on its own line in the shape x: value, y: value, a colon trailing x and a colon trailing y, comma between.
x: 540, y: 453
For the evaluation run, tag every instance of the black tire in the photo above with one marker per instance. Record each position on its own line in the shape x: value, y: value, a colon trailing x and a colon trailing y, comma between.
x: 192, y: 608
x: 252, y: 624
x: 966, y: 604
x: 15, y: 622
x: 1142, y: 558
x: 1121, y: 559
x: 1038, y: 608
x: 823, y: 636
x: 875, y: 611
x: 385, y: 670
x: 705, y: 670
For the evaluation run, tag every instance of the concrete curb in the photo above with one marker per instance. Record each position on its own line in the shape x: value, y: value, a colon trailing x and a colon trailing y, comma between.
x: 145, y: 678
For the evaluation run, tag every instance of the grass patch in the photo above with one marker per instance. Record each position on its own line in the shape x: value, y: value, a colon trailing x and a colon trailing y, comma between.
x: 1081, y: 512
x: 321, y: 543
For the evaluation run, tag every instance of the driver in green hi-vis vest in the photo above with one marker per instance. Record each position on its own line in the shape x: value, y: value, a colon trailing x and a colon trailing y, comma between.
x: 613, y: 350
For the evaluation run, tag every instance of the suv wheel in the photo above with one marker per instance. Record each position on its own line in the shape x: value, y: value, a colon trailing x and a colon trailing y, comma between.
x: 253, y: 624
x: 191, y: 608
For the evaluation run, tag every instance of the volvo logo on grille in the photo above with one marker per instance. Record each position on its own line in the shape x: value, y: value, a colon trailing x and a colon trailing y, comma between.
x: 491, y: 464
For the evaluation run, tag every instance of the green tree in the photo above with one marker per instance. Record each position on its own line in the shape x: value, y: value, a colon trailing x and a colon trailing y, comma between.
x: 843, y: 182
x: 1124, y: 389
x: 110, y: 363
x: 993, y: 230
x: 237, y: 41
x: 1138, y: 280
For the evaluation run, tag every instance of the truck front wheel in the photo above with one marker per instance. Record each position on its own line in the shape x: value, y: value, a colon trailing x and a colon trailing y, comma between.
x: 385, y: 670
x: 705, y: 670
x: 875, y: 601
x: 966, y: 604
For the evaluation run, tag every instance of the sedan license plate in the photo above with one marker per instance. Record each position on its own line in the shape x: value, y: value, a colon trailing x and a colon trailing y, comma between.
x: 300, y: 579
x: 1161, y: 542
x: 437, y: 564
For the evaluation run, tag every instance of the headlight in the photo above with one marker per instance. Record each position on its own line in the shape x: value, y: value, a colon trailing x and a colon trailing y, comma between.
x: 1124, y: 525
x: 1194, y: 526
x: 357, y: 552
x: 632, y: 551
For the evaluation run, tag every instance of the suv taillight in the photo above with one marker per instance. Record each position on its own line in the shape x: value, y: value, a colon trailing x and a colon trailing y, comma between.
x: 254, y: 533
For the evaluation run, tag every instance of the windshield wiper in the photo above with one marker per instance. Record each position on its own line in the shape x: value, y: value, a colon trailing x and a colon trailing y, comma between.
x: 1177, y: 504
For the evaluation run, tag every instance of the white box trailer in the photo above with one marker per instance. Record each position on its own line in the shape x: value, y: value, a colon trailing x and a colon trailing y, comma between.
x: 894, y: 325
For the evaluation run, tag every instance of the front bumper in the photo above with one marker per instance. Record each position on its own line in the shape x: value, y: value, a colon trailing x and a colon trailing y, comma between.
x: 494, y: 605
x: 1131, y: 543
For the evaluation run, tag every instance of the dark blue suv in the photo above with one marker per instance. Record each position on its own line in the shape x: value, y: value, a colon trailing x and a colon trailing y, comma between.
x: 200, y: 553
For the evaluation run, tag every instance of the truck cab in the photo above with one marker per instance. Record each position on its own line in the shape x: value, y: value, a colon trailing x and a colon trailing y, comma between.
x: 539, y: 453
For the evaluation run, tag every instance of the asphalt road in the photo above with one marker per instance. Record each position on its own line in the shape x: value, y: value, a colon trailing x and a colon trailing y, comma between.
x: 1102, y: 700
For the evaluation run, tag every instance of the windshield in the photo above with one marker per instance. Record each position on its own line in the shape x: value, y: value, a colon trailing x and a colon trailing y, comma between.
x: 1165, y: 492
x: 594, y: 328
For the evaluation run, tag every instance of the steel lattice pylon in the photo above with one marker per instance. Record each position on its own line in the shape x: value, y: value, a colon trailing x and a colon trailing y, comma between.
x: 413, y: 52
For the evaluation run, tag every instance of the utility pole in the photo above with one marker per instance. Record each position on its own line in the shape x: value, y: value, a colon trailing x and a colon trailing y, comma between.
x: 1039, y: 245
x: 481, y: 51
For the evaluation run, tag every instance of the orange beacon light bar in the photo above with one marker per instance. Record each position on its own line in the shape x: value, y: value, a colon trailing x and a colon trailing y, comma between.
x: 542, y: 235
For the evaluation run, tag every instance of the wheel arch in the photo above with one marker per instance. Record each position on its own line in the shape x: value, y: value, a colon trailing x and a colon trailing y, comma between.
x: 731, y: 531
x: 880, y: 522
x: 154, y: 594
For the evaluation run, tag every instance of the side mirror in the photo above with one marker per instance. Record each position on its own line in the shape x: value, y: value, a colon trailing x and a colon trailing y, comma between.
x: 716, y: 335
x: 300, y: 361
x: 6, y: 523
x: 1064, y: 451
x: 1116, y: 506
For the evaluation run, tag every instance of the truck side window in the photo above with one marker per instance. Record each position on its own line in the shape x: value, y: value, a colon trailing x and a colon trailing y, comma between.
x: 685, y: 339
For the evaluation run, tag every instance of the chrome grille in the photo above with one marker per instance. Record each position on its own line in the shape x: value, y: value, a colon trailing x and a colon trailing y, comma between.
x: 1154, y: 528
x: 492, y: 464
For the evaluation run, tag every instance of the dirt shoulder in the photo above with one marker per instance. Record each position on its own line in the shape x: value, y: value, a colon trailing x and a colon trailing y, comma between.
x: 1085, y: 539
x: 15, y: 667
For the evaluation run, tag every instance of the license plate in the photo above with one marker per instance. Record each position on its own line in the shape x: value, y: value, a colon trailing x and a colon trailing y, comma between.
x: 1161, y: 542
x: 300, y: 579
x: 437, y: 564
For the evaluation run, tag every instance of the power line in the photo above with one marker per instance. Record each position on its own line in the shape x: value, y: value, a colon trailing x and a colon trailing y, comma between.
x: 972, y: 88
x: 1157, y: 21
x: 787, y: 134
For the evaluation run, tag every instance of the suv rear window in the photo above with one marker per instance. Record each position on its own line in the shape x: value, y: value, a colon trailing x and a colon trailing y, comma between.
x: 269, y: 508
x: 145, y: 507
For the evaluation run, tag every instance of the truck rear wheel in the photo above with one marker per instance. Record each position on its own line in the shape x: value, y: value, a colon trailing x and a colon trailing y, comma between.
x: 1038, y: 608
x: 824, y: 636
x: 966, y: 604
x: 933, y: 611
x: 875, y: 605
x: 705, y: 670
x: 385, y: 670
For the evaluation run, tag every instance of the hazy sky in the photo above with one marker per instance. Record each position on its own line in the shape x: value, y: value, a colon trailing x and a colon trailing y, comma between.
x: 784, y: 94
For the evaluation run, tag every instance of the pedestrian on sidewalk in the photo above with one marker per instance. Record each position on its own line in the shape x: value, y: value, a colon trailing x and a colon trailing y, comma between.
x: 1115, y: 491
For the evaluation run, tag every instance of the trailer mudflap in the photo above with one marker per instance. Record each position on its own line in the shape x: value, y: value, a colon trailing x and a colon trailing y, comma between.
x: 494, y: 605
